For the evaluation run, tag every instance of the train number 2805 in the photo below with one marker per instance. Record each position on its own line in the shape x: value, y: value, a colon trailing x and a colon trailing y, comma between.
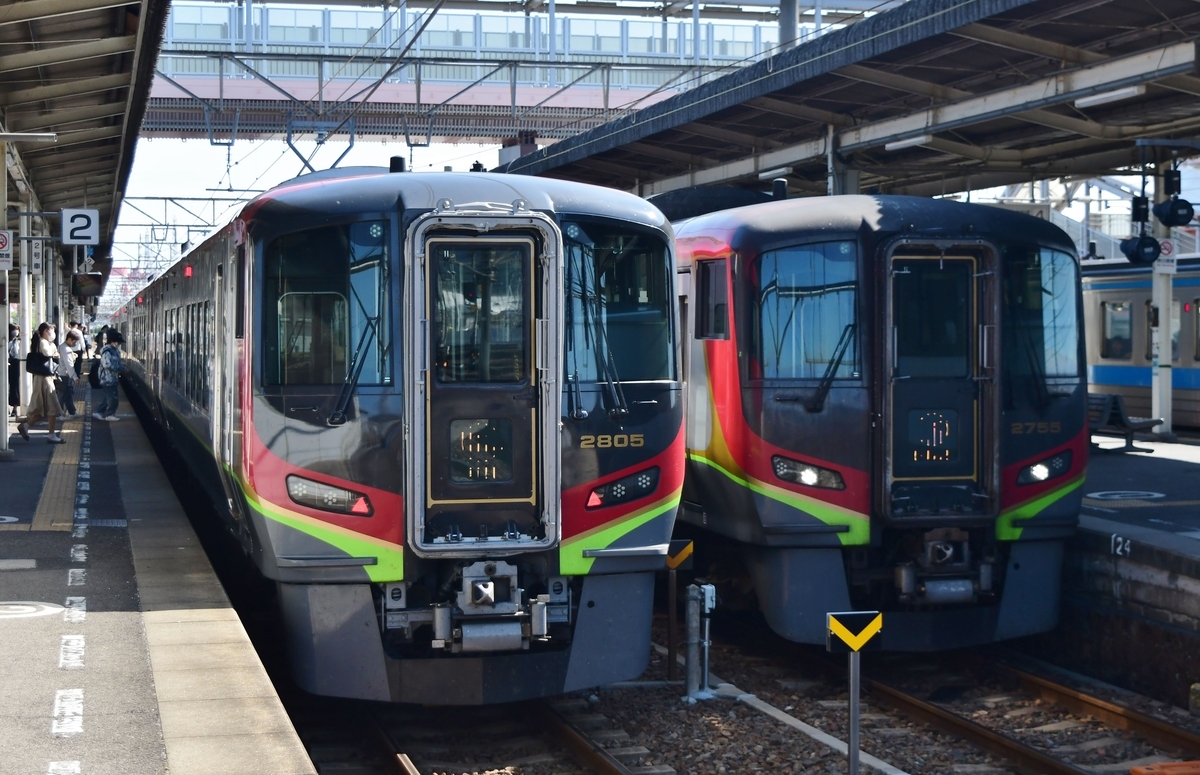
x: 1036, y: 427
x: 608, y: 442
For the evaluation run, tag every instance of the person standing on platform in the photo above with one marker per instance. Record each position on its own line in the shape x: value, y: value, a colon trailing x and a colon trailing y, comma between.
x: 68, y: 366
x: 41, y: 364
x: 14, y: 369
x: 80, y: 348
x: 110, y: 377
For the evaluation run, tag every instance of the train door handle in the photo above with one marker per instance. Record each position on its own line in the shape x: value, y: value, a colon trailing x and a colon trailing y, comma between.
x: 303, y: 408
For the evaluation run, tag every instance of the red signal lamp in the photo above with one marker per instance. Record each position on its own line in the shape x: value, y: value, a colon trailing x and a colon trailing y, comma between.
x: 187, y: 271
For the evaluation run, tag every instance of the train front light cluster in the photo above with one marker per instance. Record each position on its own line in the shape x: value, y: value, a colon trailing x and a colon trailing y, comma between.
x: 625, y: 489
x: 1045, y: 470
x: 807, y: 474
x: 317, y: 495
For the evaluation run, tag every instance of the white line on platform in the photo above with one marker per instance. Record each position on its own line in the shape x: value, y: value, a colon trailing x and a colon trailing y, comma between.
x: 79, y: 531
x: 83, y: 486
x: 1097, y: 508
x: 79, y: 553
x: 18, y: 564
x: 68, y: 712
x: 64, y: 768
x: 70, y: 652
x: 76, y: 610
x: 76, y: 577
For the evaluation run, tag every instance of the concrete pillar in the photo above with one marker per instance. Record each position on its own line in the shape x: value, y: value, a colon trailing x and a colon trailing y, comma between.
x: 5, y: 453
x: 695, y: 34
x: 24, y: 309
x: 789, y: 15
x: 840, y: 178
x: 1161, y: 297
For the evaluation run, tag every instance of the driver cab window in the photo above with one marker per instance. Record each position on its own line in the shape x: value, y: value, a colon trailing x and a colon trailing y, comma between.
x: 325, y: 307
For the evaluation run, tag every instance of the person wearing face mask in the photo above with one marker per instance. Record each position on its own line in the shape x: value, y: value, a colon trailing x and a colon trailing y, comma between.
x: 43, y: 401
x: 14, y: 369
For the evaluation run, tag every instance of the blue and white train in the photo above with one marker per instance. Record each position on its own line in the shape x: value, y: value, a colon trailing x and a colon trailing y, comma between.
x: 1117, y: 315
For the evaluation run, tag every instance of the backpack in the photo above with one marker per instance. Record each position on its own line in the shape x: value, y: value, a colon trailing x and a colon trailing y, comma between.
x: 94, y: 373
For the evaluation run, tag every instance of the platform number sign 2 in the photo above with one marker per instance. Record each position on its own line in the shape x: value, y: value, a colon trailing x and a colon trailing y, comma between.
x: 81, y: 227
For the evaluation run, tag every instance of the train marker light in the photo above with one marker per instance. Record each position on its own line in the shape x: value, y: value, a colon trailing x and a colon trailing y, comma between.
x: 809, y: 475
x: 187, y: 271
x: 317, y: 495
x: 1046, y: 469
x: 625, y: 489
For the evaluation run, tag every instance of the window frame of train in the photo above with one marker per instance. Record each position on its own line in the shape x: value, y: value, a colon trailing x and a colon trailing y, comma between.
x: 828, y: 247
x: 712, y: 296
x: 1176, y: 328
x: 1106, y: 328
x: 350, y: 326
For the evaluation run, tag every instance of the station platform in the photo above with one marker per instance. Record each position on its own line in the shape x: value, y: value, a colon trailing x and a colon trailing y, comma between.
x: 123, y: 654
x: 1131, y: 576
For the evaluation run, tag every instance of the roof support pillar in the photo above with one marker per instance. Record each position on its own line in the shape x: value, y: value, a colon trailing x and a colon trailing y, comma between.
x: 789, y: 17
x: 6, y: 454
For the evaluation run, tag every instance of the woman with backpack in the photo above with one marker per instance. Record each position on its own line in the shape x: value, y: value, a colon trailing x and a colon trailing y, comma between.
x: 41, y: 365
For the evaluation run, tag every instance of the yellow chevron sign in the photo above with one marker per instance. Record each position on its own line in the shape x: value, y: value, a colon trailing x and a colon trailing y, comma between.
x: 852, y: 630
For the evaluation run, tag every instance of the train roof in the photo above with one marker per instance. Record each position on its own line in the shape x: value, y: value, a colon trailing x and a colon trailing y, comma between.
x: 757, y: 227
x: 375, y: 189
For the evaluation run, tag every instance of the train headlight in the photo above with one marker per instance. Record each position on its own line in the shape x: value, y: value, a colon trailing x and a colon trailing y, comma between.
x: 807, y: 474
x: 1045, y: 470
x: 626, y: 489
x: 317, y: 495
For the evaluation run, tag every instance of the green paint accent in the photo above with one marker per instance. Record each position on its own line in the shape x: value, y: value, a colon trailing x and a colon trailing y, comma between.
x: 1007, y: 531
x: 571, y: 561
x: 859, y: 533
x: 389, y: 565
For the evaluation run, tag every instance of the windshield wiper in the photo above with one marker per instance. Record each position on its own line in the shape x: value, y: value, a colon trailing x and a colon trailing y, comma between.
x: 350, y: 383
x: 619, y: 408
x: 817, y: 402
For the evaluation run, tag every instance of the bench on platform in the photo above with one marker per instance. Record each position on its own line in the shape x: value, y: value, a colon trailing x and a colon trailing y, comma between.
x: 1106, y: 414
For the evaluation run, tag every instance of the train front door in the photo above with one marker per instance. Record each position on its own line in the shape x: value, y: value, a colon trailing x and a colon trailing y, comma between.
x: 481, y: 413
x: 941, y: 340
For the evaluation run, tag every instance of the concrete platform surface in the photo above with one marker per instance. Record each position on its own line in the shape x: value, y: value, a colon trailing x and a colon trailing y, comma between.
x: 118, y: 661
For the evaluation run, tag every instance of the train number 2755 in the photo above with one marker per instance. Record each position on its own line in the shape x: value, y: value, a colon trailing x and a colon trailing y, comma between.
x: 1036, y: 427
x: 608, y: 442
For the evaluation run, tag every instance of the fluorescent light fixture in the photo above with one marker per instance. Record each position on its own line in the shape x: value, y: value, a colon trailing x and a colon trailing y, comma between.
x: 1111, y: 96
x: 28, y: 137
x: 779, y: 172
x: 911, y: 142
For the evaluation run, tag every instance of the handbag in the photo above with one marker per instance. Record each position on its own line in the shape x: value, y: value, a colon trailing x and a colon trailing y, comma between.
x: 36, y: 363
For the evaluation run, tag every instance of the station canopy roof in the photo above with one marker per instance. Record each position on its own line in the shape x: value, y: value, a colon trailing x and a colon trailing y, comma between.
x: 80, y: 69
x: 930, y: 97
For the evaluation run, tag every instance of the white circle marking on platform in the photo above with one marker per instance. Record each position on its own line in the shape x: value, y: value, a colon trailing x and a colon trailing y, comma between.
x: 1125, y: 495
x: 6, y: 520
x: 22, y: 609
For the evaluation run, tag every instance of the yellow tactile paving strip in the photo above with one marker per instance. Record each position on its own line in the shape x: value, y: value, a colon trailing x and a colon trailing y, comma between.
x: 56, y: 507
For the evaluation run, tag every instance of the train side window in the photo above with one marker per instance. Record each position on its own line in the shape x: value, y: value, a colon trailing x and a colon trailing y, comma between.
x: 239, y: 304
x: 1196, y: 329
x: 1116, y: 341
x: 1176, y: 325
x: 712, y: 322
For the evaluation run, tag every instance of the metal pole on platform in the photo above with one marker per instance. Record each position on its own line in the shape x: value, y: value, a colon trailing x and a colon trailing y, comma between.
x: 6, y: 454
x: 854, y: 687
x: 696, y: 34
x: 672, y: 623
x: 692, y: 596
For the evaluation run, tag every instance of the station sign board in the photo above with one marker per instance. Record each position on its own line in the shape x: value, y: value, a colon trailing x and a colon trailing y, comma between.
x: 80, y: 227
x: 35, y: 256
x: 6, y: 251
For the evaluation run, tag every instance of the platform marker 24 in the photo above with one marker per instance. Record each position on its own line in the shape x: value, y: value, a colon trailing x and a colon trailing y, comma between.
x: 853, y: 632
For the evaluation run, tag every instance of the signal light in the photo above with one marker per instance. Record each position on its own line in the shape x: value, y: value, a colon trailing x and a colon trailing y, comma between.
x: 187, y: 271
x: 1141, y: 250
x: 1174, y: 212
x: 1141, y: 209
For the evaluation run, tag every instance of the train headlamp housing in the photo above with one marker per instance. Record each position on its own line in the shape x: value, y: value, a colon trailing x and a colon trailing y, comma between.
x: 1045, y: 470
x: 806, y: 474
x: 625, y: 489
x: 326, y: 497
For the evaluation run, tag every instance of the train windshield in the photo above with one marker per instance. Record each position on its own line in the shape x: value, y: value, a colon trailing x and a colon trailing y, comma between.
x: 326, y: 306
x: 803, y: 302
x: 1041, y: 323
x: 618, y: 304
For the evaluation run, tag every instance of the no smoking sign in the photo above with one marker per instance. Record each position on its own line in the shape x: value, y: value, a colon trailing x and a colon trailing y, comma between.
x: 6, y: 251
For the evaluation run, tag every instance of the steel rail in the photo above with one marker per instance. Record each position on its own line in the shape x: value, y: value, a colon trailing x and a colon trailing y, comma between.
x: 1160, y: 733
x: 397, y: 763
x: 589, y: 752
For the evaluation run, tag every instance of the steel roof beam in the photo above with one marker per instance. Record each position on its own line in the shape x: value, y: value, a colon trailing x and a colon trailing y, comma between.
x: 96, y: 181
x: 803, y: 112
x: 73, y: 52
x: 43, y: 161
x: 70, y: 116
x: 729, y: 136
x: 72, y: 88
x: 75, y: 138
x: 657, y: 151
x: 55, y: 172
x: 1140, y: 68
x: 33, y: 10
